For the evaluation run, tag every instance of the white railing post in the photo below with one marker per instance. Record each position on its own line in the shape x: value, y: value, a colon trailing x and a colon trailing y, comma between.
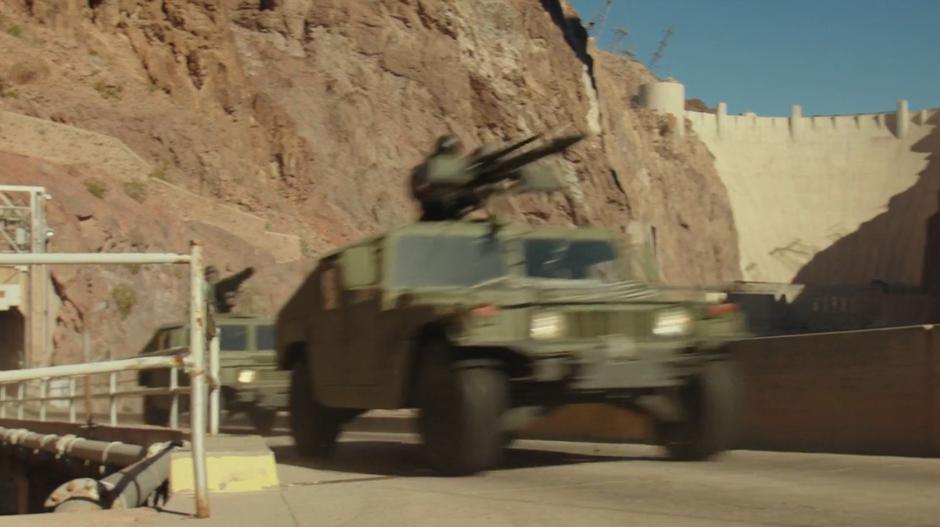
x: 214, y: 394
x: 174, y: 398
x: 71, y: 399
x: 43, y: 392
x: 197, y: 396
x: 89, y: 409
x: 86, y: 353
x: 3, y: 402
x: 112, y: 389
x: 19, y: 400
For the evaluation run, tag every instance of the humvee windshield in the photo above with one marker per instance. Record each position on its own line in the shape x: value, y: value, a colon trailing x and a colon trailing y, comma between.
x: 264, y: 337
x: 439, y: 261
x: 233, y: 337
x: 569, y: 259
x: 463, y: 261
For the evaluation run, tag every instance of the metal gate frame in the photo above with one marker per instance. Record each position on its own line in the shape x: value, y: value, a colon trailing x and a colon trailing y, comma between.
x: 38, y: 333
x: 194, y: 362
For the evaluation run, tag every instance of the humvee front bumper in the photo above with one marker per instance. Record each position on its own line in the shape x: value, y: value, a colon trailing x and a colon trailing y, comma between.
x: 261, y: 396
x: 614, y: 363
x: 265, y: 388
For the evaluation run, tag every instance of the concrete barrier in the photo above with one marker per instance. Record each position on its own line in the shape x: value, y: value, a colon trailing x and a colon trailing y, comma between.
x: 864, y: 392
x: 869, y: 392
x: 235, y: 464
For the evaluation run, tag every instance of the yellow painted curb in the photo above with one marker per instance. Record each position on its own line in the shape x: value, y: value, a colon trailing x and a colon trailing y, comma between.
x: 235, y: 470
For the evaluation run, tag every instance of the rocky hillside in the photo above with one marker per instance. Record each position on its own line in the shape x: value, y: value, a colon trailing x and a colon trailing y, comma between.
x: 306, y: 116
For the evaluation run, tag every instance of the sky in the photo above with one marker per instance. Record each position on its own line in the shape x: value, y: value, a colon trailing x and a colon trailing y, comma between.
x: 829, y: 56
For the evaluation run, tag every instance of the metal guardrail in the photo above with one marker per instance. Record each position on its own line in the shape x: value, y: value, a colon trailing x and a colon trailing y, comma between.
x: 193, y: 363
x: 21, y: 379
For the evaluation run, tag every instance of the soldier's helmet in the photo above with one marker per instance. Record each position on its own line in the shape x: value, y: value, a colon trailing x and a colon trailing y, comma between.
x: 448, y: 145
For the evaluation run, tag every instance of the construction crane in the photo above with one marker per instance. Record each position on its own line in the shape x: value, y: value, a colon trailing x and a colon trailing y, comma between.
x: 658, y: 54
x: 595, y: 26
x: 617, y: 42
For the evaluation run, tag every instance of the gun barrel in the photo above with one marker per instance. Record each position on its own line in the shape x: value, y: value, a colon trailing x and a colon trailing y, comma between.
x: 507, y: 166
x: 494, y: 156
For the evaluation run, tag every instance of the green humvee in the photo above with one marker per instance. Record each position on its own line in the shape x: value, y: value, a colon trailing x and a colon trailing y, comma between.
x: 251, y: 382
x: 482, y: 326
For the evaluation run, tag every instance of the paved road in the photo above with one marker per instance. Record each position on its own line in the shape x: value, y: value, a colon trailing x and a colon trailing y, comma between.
x: 376, y: 480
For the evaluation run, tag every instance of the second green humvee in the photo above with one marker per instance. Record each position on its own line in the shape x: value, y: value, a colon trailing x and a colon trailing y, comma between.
x: 482, y: 326
x: 251, y: 382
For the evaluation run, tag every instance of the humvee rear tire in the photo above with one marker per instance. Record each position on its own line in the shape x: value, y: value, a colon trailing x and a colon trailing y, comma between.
x: 154, y: 415
x: 313, y: 426
x: 710, y: 402
x: 461, y: 406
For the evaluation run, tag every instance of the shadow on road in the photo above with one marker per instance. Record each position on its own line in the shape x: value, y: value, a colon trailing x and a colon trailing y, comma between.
x: 403, y: 459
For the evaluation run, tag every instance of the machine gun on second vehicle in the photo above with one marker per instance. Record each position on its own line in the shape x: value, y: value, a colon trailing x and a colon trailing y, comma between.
x: 449, y: 186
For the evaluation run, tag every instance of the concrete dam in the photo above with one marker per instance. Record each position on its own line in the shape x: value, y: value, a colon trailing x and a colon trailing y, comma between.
x: 835, y: 200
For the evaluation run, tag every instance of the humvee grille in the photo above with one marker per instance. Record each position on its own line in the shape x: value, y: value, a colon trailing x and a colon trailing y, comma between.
x: 272, y: 375
x: 589, y: 324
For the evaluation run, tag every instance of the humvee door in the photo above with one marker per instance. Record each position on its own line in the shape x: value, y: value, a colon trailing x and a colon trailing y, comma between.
x: 363, y: 302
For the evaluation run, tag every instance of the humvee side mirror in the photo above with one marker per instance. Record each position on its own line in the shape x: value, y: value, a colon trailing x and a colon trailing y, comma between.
x: 360, y: 268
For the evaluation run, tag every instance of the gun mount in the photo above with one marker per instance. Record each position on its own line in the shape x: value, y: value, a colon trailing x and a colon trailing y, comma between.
x: 449, y: 186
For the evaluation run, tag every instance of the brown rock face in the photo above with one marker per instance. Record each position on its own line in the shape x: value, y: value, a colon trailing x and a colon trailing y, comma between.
x: 310, y: 114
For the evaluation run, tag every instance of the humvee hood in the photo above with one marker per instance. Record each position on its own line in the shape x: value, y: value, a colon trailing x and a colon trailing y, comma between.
x: 509, y: 291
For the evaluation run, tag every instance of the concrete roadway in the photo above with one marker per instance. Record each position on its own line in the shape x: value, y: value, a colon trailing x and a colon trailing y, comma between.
x: 377, y: 480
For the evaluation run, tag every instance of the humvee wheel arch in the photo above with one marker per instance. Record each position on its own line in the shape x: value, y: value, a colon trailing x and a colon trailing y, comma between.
x: 313, y: 426
x: 711, y: 403
x: 462, y: 403
x: 514, y: 364
x: 293, y: 352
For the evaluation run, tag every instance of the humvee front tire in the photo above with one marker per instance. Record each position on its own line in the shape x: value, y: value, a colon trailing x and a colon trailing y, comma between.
x: 461, y: 406
x: 313, y: 425
x: 710, y: 402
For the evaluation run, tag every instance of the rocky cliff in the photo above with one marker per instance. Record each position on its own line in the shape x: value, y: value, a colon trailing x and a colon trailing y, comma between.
x: 306, y: 116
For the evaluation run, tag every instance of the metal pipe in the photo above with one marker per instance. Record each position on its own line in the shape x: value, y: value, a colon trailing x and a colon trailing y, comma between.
x: 128, y: 488
x: 72, y: 400
x: 143, y: 391
x: 175, y: 398
x: 22, y: 188
x: 86, y: 351
x: 214, y: 394
x: 104, y: 452
x: 92, y: 258
x: 43, y: 392
x: 3, y: 402
x: 134, y: 484
x: 119, y: 393
x: 197, y: 399
x: 137, y: 363
x: 19, y: 400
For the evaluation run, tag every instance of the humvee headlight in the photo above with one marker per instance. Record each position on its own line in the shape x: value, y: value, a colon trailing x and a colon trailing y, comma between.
x: 545, y: 326
x: 672, y: 323
x: 247, y: 376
